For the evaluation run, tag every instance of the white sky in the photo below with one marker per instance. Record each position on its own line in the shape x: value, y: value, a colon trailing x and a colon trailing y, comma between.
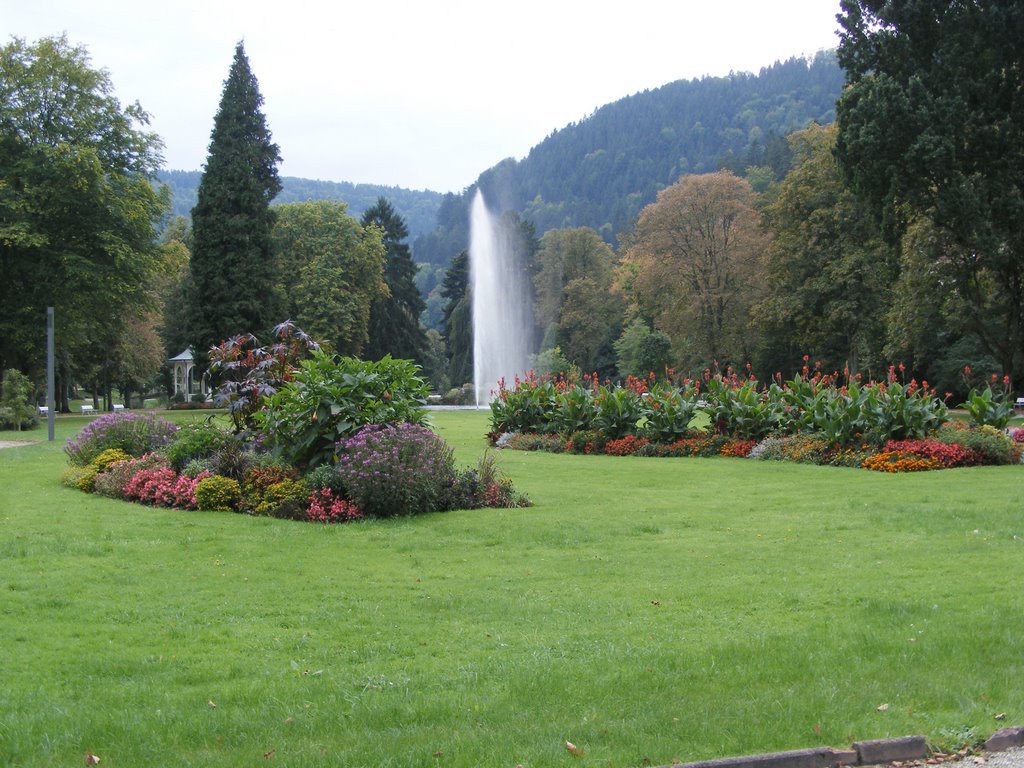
x: 414, y: 93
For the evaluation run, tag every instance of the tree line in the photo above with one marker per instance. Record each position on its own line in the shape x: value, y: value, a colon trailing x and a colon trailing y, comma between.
x: 418, y: 208
x: 892, y: 235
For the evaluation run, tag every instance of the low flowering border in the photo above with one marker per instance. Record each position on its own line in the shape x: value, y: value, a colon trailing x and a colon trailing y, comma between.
x: 812, y: 448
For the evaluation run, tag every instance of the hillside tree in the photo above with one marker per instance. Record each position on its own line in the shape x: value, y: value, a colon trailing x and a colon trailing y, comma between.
x: 232, y: 271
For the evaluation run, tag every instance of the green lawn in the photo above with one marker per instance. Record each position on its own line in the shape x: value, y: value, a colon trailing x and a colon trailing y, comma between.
x: 644, y: 609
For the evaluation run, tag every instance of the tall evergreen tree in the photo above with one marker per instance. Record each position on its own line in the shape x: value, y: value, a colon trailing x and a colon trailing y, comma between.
x: 395, y: 320
x: 457, y: 322
x: 232, y: 269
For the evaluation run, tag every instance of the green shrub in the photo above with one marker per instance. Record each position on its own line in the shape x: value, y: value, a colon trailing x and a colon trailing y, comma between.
x: 258, y: 498
x: 196, y: 467
x: 325, y: 477
x: 16, y: 409
x: 218, y: 493
x: 330, y: 398
x: 287, y: 499
x: 196, y: 441
x: 992, y: 445
x: 989, y: 408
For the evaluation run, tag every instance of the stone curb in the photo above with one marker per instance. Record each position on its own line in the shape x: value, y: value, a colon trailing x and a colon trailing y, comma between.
x: 861, y: 754
x: 1005, y: 738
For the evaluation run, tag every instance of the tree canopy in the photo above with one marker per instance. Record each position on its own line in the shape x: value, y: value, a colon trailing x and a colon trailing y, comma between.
x: 78, y: 209
x: 693, y: 267
x: 573, y: 304
x: 932, y: 125
x: 331, y: 271
x: 828, y: 269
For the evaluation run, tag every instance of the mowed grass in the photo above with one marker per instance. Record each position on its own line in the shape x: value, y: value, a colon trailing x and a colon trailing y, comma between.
x: 647, y: 610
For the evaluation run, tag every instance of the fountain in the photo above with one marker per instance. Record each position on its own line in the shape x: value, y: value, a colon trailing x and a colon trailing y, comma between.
x: 502, y: 315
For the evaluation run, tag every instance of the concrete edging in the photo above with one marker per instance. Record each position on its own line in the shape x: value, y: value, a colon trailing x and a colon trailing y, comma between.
x: 862, y: 753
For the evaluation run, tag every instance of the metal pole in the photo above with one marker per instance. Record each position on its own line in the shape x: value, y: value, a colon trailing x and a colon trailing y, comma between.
x: 49, y: 373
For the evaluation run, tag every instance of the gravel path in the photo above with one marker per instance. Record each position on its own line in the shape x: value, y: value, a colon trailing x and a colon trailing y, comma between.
x: 15, y: 443
x: 1010, y: 758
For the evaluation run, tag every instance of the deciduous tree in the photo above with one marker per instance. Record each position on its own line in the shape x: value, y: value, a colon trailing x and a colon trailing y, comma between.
x: 828, y: 269
x: 693, y: 265
x: 331, y: 271
x: 573, y: 304
x: 77, y: 208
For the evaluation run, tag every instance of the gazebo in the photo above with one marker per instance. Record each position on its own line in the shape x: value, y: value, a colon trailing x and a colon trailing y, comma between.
x: 182, y: 367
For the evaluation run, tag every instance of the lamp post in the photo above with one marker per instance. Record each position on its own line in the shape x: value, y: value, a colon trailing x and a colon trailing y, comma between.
x: 49, y: 374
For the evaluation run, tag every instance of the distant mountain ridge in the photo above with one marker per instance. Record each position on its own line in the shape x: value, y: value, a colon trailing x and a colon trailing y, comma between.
x: 601, y: 171
x: 417, y: 207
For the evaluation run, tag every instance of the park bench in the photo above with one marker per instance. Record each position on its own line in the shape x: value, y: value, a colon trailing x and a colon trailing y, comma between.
x: 88, y: 409
x: 1019, y: 405
x: 44, y: 411
x: 118, y: 407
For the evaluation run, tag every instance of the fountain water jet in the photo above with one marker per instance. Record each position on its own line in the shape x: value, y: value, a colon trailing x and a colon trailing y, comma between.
x: 502, y: 315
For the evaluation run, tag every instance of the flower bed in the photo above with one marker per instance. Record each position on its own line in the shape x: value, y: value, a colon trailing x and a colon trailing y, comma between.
x: 813, y: 418
x: 324, y: 439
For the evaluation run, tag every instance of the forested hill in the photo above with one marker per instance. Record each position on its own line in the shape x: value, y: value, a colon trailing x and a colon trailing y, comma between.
x: 601, y: 171
x: 418, y: 207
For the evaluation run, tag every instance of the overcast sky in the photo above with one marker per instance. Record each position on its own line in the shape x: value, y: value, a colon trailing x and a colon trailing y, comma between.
x: 413, y: 93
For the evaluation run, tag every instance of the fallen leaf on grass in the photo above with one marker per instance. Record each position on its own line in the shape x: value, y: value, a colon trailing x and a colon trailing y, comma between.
x: 210, y: 704
x: 881, y: 707
x: 91, y: 759
x: 268, y: 755
x: 1001, y: 716
x: 572, y: 749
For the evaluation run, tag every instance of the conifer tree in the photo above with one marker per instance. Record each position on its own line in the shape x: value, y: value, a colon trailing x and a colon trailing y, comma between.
x: 232, y: 271
x: 457, y: 323
x: 395, y: 320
